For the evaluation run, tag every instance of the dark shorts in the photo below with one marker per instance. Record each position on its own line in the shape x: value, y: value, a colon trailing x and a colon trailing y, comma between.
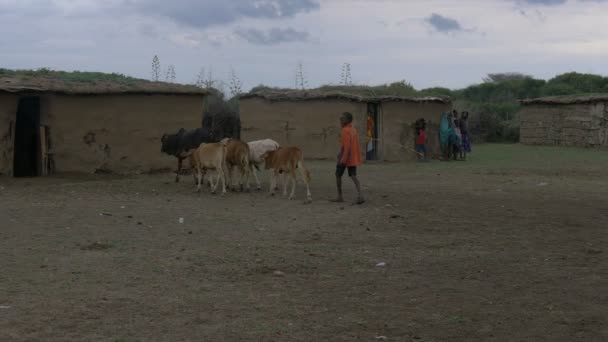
x: 352, y: 170
x: 420, y: 148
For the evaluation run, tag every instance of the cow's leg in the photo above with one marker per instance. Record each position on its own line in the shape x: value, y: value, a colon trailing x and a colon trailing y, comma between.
x: 249, y: 171
x: 255, y: 175
x: 199, y: 179
x: 278, y: 181
x: 237, y: 183
x: 285, y: 183
x: 273, y: 181
x: 292, y: 178
x: 244, y: 177
x: 212, y: 186
x: 306, y: 176
x: 179, y: 167
x: 228, y: 169
x: 223, y: 178
x: 232, y: 180
x: 241, y: 176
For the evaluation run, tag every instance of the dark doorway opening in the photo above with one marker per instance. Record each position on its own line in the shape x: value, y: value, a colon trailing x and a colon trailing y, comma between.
x: 371, y: 145
x: 26, y: 162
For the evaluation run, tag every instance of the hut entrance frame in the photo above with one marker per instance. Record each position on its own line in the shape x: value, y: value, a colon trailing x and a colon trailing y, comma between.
x: 27, y: 152
x: 372, y: 148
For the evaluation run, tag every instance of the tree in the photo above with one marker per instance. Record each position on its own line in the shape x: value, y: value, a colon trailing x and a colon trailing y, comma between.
x: 209, y: 82
x: 155, y: 69
x: 346, y: 78
x: 300, y: 78
x: 200, y: 79
x: 170, y: 76
x: 235, y: 85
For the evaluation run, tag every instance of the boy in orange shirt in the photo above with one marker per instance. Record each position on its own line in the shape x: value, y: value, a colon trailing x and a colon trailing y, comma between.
x: 349, y: 157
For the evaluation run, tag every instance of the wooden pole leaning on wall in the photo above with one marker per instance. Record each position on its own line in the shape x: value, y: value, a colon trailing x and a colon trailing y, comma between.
x: 43, y: 157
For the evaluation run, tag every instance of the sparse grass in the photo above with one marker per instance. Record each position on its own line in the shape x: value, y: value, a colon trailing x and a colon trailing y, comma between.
x: 71, y: 76
x: 517, y: 156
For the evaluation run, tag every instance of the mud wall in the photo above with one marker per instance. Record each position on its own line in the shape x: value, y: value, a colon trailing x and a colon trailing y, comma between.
x: 117, y: 133
x: 312, y: 125
x: 398, y: 131
x: 583, y: 125
x: 8, y: 110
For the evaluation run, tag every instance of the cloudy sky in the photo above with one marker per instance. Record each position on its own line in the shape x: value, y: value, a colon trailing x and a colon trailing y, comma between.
x: 426, y: 42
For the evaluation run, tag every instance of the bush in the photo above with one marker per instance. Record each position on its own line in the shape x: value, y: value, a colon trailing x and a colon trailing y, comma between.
x: 221, y: 116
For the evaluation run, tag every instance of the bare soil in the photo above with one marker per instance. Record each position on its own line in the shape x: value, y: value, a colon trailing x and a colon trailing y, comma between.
x: 470, y: 253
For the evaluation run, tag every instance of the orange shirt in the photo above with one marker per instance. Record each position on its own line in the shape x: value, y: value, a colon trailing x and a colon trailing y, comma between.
x: 350, y: 149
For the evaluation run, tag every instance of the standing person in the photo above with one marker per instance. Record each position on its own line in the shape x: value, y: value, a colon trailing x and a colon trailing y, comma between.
x: 457, y: 136
x: 444, y: 135
x: 421, y: 140
x: 466, y: 138
x: 349, y: 157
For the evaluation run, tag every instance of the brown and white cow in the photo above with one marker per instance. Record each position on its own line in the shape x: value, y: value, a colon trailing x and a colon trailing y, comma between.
x: 287, y: 160
x: 257, y: 149
x: 237, y: 156
x: 209, y: 157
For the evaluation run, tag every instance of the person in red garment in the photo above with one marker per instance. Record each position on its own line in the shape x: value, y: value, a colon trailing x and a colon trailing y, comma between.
x: 349, y: 157
x: 421, y: 140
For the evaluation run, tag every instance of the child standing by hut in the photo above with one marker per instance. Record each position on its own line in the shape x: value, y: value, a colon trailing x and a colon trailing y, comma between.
x: 421, y: 140
x: 464, y: 131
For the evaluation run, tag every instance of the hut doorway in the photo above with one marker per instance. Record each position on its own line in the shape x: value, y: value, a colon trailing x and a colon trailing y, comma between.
x: 371, y: 141
x: 26, y: 158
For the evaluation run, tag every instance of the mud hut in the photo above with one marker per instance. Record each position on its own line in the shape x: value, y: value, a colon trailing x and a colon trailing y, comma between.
x: 50, y: 125
x: 309, y: 119
x: 565, y: 120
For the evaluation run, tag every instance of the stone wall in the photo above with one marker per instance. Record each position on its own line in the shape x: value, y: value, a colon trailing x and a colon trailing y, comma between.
x: 313, y: 125
x: 8, y: 111
x: 398, y: 133
x: 584, y: 125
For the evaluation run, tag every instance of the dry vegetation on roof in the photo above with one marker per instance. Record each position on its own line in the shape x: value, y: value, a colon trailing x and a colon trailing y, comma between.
x: 78, y: 82
x: 318, y: 94
x: 568, y: 99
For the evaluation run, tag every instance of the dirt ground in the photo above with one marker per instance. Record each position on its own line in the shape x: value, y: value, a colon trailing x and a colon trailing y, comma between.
x: 473, y: 251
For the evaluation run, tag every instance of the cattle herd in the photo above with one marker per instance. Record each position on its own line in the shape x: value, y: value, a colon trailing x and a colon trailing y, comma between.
x: 224, y: 156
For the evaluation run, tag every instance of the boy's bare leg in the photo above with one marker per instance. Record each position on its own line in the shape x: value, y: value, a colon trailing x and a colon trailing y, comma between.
x: 360, y: 199
x: 340, y: 198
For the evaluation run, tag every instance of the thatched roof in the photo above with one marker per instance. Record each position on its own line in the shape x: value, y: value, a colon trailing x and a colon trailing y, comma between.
x: 311, y: 95
x: 51, y: 83
x: 567, y: 99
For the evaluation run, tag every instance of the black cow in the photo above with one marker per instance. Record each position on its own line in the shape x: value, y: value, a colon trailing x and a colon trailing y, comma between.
x: 179, y: 144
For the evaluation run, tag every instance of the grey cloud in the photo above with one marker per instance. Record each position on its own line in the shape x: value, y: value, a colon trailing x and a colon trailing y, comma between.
x: 273, y: 36
x: 549, y: 2
x: 202, y: 14
x: 28, y: 7
x: 545, y: 2
x: 444, y: 24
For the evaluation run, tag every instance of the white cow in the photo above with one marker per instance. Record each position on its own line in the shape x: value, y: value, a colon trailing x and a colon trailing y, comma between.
x: 256, y: 150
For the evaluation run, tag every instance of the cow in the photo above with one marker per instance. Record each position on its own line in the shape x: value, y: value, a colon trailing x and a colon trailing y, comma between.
x: 256, y: 150
x: 237, y: 156
x: 179, y: 144
x: 210, y: 156
x: 287, y: 160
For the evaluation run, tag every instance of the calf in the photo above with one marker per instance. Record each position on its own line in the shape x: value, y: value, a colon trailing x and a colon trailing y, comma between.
x: 209, y: 157
x: 287, y: 160
x: 256, y: 151
x: 179, y: 144
x: 237, y: 156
